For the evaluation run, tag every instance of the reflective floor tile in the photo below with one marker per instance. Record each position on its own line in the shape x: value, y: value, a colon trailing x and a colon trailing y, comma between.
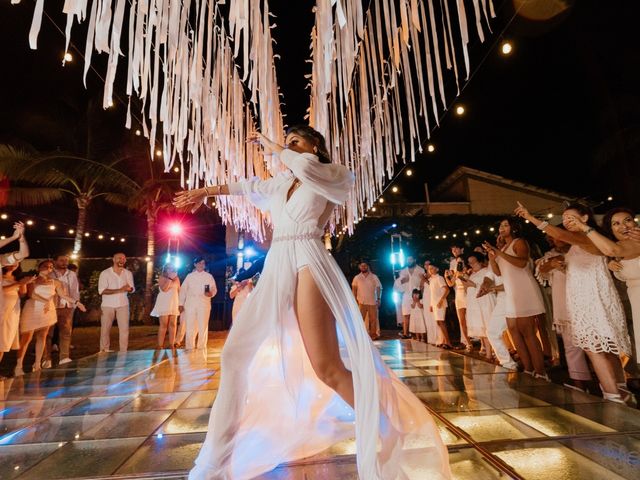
x: 469, y: 464
x: 408, y: 372
x: 94, y: 405
x: 211, y: 384
x: 84, y: 459
x: 485, y: 426
x: 453, y: 401
x: 7, y: 426
x: 613, y: 415
x: 34, y: 408
x: 202, y: 399
x: 187, y: 420
x: 555, y: 421
x: 557, y: 395
x: 501, y: 398
x: 16, y: 459
x: 125, y: 425
x: 54, y: 429
x: 449, y: 436
x: 432, y: 383
x: 146, y: 402
x: 166, y: 454
x: 551, y: 460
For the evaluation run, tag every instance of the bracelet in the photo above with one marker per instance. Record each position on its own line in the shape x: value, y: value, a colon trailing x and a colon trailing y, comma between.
x: 206, y: 192
x: 543, y: 225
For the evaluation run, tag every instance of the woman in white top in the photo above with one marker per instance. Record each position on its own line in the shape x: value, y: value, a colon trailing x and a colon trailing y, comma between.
x: 12, y: 290
x: 39, y: 313
x: 297, y: 326
x: 594, y: 307
x: 167, y: 305
x: 523, y: 299
x: 617, y: 224
x: 479, y: 308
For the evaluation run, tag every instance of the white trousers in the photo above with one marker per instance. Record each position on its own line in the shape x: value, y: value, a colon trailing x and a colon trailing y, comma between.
x: 121, y: 314
x: 196, y: 318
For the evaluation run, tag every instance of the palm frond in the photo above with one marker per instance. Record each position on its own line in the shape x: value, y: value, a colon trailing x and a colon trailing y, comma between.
x: 34, y: 196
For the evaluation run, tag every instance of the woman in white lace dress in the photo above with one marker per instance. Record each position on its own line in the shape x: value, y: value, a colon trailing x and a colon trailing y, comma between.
x: 166, y: 306
x: 593, y: 305
x: 618, y: 224
x: 299, y: 372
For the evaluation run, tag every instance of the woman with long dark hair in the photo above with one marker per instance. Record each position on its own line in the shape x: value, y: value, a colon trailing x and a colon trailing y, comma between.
x: 523, y: 299
x: 615, y: 241
x: 316, y: 378
x: 594, y: 307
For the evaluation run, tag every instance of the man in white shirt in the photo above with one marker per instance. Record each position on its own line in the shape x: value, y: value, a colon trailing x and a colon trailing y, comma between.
x: 367, y: 289
x: 64, y: 309
x: 195, y: 304
x: 410, y: 279
x: 114, y: 284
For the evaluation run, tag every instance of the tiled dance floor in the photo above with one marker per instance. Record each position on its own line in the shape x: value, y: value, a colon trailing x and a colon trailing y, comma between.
x: 143, y: 415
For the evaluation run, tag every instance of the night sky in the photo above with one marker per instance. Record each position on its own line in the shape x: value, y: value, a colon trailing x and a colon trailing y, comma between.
x: 561, y: 112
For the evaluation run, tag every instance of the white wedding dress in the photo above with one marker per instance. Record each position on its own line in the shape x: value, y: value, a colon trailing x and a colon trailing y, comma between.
x: 271, y: 407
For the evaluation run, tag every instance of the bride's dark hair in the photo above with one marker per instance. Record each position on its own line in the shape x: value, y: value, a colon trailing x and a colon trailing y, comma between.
x: 315, y: 137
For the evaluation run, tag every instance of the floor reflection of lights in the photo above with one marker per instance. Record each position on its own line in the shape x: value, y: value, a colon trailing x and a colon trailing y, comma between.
x: 146, y: 413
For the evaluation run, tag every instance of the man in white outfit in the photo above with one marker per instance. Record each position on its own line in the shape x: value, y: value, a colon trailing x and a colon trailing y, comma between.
x: 195, y: 304
x: 114, y: 284
x: 410, y: 279
x: 367, y: 289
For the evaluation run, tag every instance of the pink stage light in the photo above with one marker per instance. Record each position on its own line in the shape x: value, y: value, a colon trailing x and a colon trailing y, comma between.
x: 175, y: 229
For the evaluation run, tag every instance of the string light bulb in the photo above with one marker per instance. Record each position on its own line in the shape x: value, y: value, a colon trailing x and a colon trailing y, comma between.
x: 158, y: 153
x: 71, y: 231
x: 394, y: 189
x: 177, y: 169
x: 87, y: 234
x: 477, y: 232
x: 549, y: 215
x: 431, y: 148
x: 4, y: 216
x: 381, y: 200
x: 30, y: 222
x: 506, y: 48
x: 138, y: 133
x: 460, y: 110
x: 609, y: 198
x: 409, y: 172
x: 68, y: 57
x: 52, y: 227
x: 100, y: 236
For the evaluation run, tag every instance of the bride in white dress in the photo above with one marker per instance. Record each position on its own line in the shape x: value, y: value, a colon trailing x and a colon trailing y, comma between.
x: 299, y: 372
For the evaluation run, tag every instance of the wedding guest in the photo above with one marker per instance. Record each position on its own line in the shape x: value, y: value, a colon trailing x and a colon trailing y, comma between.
x: 39, y: 313
x: 551, y: 270
x: 114, y: 284
x: 594, y: 307
x: 417, y: 324
x: 479, y: 308
x: 452, y: 277
x: 409, y: 279
x: 367, y: 289
x: 616, y: 241
x: 434, y: 337
x: 239, y: 292
x: 523, y: 297
x: 64, y: 310
x: 439, y: 292
x: 12, y: 290
x: 167, y: 305
x: 195, y: 304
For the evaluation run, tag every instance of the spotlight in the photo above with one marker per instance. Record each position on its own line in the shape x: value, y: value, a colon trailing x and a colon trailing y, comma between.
x: 394, y: 225
x: 249, y: 252
x: 506, y: 48
x: 431, y: 148
x: 460, y: 110
x: 175, y: 229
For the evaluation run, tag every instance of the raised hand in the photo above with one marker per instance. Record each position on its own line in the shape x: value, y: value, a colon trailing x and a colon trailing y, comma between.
x: 574, y: 223
x: 18, y: 230
x: 634, y: 234
x: 190, y: 198
x: 522, y: 212
x: 268, y: 146
x: 615, y: 266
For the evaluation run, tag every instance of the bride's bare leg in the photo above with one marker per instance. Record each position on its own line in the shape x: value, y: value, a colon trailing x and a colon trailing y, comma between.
x: 318, y: 330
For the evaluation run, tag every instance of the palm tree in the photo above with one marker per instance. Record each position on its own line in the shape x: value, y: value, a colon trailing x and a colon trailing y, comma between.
x: 44, y: 178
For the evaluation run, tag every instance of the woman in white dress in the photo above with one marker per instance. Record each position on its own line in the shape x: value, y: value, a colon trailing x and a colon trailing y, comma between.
x: 166, y: 306
x: 479, y: 308
x: 438, y: 293
x: 39, y: 313
x: 12, y: 290
x: 617, y: 224
x: 523, y: 299
x: 299, y: 372
x: 593, y: 305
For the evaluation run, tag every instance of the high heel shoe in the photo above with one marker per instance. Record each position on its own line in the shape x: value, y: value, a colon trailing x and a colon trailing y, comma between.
x: 615, y: 397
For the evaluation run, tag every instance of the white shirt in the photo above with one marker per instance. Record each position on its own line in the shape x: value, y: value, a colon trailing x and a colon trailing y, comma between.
x: 453, y: 265
x: 110, y: 280
x: 69, y: 281
x: 366, y: 286
x: 437, y: 287
x: 192, y: 289
x: 414, y: 277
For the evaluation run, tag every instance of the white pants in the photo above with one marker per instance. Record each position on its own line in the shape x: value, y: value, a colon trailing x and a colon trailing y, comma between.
x: 196, y: 318
x: 121, y: 314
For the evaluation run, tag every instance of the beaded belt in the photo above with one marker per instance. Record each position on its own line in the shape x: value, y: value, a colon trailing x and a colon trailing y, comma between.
x: 300, y: 236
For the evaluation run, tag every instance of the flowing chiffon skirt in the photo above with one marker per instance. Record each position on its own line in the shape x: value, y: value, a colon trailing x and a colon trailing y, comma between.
x: 272, y: 408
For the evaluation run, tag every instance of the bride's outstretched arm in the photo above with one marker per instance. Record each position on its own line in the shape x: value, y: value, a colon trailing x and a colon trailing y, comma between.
x: 196, y: 197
